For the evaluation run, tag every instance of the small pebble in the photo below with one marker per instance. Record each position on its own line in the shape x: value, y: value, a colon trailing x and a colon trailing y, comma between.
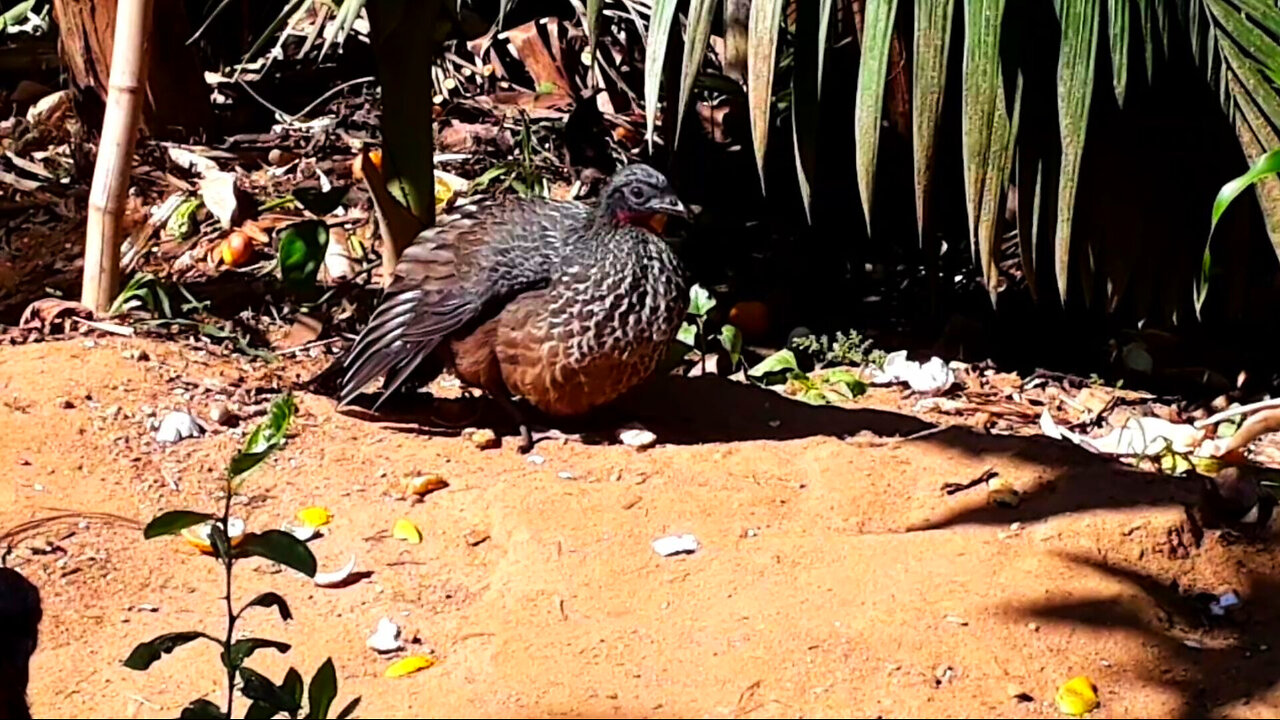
x: 386, y: 638
x: 178, y: 426
x: 675, y: 545
x: 482, y: 438
x: 476, y: 537
x: 637, y: 437
x: 222, y: 415
x: 536, y: 459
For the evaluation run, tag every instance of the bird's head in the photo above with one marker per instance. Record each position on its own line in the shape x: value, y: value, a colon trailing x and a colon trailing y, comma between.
x: 640, y: 196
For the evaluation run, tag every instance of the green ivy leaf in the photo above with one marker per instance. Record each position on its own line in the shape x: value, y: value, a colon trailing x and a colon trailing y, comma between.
x: 302, y: 248
x: 279, y: 546
x: 688, y: 334
x: 700, y: 301
x: 322, y: 690
x: 781, y: 361
x: 271, y: 600
x: 201, y: 709
x: 147, y: 653
x: 731, y: 340
x: 173, y: 522
x: 845, y: 383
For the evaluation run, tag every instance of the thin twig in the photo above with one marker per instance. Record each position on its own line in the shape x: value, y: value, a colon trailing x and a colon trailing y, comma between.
x: 1233, y: 412
x: 294, y: 117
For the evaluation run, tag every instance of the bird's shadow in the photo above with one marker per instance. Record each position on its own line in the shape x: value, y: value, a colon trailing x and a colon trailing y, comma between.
x: 679, y: 410
x: 709, y: 409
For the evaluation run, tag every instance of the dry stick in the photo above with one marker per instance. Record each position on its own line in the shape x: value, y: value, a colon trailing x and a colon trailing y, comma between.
x: 1233, y: 412
x: 115, y: 151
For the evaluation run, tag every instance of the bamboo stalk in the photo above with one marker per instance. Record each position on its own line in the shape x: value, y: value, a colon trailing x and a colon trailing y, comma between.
x: 115, y: 153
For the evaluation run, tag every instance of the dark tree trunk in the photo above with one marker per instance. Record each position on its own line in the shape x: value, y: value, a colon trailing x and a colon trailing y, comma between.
x: 177, y: 102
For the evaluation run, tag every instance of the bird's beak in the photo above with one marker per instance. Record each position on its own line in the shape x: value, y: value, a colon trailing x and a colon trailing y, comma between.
x: 672, y: 206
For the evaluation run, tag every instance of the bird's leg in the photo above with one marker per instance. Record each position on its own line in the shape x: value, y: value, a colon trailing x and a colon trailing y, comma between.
x: 513, y: 410
x: 529, y: 437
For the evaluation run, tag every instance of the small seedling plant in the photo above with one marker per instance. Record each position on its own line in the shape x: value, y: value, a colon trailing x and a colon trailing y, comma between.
x: 267, y: 699
x: 693, y: 333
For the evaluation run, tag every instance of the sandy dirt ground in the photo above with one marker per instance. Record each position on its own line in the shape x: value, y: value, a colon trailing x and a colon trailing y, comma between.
x: 835, y: 577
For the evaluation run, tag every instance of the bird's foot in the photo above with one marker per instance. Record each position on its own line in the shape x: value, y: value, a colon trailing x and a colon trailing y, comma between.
x: 529, y: 438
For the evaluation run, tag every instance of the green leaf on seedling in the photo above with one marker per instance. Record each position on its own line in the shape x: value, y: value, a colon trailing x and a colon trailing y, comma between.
x: 781, y: 361
x: 145, y: 654
x: 257, y: 687
x: 266, y: 437
x: 242, y: 650
x: 259, y: 710
x: 700, y: 301
x: 173, y: 522
x: 202, y: 709
x: 731, y: 340
x: 322, y: 691
x: 271, y: 600
x: 347, y: 711
x: 292, y: 689
x: 302, y: 248
x: 688, y: 334
x: 281, y: 547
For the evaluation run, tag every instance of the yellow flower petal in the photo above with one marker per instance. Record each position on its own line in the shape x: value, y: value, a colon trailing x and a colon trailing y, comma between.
x: 1077, y: 696
x: 407, y: 531
x: 315, y: 516
x: 409, y: 665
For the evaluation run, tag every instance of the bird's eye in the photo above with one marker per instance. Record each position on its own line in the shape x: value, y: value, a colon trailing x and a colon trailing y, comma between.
x: 635, y: 192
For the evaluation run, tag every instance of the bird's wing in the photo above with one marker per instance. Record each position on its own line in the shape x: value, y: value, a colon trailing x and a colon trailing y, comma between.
x: 455, y: 275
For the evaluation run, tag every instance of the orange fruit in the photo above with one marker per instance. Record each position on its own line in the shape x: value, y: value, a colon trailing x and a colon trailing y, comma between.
x: 357, y: 167
x: 237, y: 249
x: 751, y: 317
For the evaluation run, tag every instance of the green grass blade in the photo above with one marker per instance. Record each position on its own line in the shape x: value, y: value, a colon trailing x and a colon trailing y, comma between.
x: 980, y: 78
x: 1266, y: 167
x: 736, y: 17
x: 701, y: 13
x: 929, y: 81
x: 1250, y: 76
x: 1163, y: 21
x: 664, y: 11
x: 1003, y: 136
x: 806, y: 90
x: 869, y: 104
x: 762, y: 47
x: 1268, y: 164
x: 824, y: 22
x: 1030, y: 181
x: 1147, y: 20
x: 289, y: 9
x: 593, y: 24
x: 1262, y: 12
x: 1118, y: 30
x: 1239, y: 31
x: 1077, y: 62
